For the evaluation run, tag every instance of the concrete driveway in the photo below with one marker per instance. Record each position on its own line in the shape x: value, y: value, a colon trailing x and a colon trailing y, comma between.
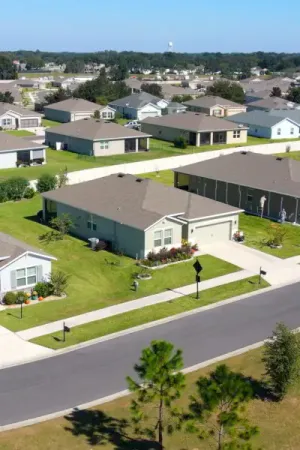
x: 278, y: 270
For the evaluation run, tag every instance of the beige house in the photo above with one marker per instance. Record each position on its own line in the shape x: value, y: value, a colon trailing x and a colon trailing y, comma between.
x: 138, y: 215
x: 76, y: 109
x: 215, y: 106
x: 96, y: 138
x: 198, y: 129
x: 14, y: 117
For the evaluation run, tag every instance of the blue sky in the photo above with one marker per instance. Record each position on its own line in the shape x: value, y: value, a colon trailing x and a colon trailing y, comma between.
x: 193, y: 25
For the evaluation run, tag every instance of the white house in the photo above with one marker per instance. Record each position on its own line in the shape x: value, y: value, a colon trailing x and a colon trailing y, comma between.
x: 74, y: 109
x: 15, y: 151
x: 265, y: 125
x: 21, y: 266
x: 14, y: 117
x: 139, y: 106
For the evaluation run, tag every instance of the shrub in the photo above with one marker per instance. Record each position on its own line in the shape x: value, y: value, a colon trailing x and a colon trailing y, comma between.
x: 276, y: 234
x: 43, y: 289
x: 3, y: 193
x: 62, y: 224
x: 29, y: 193
x: 165, y: 256
x: 58, y: 282
x: 10, y: 298
x: 46, y: 182
x: 15, y: 188
x: 180, y: 142
x: 21, y: 296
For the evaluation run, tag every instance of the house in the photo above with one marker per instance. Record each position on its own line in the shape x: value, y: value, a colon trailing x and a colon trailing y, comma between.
x: 139, y: 106
x: 169, y: 91
x: 21, y: 265
x: 259, y: 184
x: 293, y: 114
x: 96, y: 138
x: 13, y: 117
x: 215, y: 106
x: 266, y: 125
x: 74, y: 109
x: 258, y: 71
x: 134, y: 84
x: 15, y: 151
x: 198, y: 129
x: 252, y: 96
x: 138, y: 215
x: 174, y: 108
x: 10, y: 86
x: 267, y: 104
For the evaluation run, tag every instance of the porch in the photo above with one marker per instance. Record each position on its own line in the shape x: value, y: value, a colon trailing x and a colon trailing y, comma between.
x: 134, y: 145
x: 209, y: 138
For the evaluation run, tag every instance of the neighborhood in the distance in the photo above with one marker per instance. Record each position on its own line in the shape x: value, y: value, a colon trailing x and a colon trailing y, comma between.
x: 149, y: 236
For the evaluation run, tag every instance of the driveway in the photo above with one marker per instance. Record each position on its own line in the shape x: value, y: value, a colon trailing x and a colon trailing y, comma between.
x: 279, y: 271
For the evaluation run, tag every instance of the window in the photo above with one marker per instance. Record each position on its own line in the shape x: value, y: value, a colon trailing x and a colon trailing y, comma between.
x: 6, y: 122
x: 157, y: 238
x: 237, y: 134
x: 168, y: 237
x: 292, y: 130
x: 217, y: 112
x: 26, y: 277
x: 249, y: 195
x: 104, y: 115
x: 109, y: 115
x: 278, y: 131
x: 91, y: 224
x: 104, y: 145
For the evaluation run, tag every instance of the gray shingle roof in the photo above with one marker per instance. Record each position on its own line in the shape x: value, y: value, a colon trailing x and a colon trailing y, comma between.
x: 92, y: 129
x: 23, y: 112
x: 136, y: 100
x: 138, y: 204
x: 273, y: 103
x: 207, y: 101
x: 11, y: 248
x: 293, y: 114
x: 176, y: 105
x: 251, y: 169
x: 10, y: 142
x: 192, y: 122
x: 257, y: 117
x: 75, y: 105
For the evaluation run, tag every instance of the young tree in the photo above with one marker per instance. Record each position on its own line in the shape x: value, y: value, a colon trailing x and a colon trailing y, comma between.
x: 160, y: 384
x: 216, y: 413
x: 227, y: 89
x: 58, y: 282
x: 276, y: 92
x: 6, y: 97
x: 46, y: 182
x: 281, y: 359
x: 62, y: 223
x: 293, y: 95
x: 153, y: 89
x: 96, y: 114
x: 58, y: 96
x: 62, y: 178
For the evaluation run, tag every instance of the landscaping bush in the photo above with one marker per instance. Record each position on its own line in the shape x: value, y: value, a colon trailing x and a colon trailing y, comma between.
x: 29, y: 193
x: 43, y: 289
x: 13, y: 189
x: 3, y: 193
x: 21, y: 296
x: 46, y: 182
x: 165, y: 256
x: 180, y: 142
x: 58, y: 282
x: 10, y: 298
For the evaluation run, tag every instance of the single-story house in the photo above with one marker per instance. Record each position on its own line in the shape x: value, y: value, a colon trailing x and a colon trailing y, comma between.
x: 137, y: 215
x: 14, y: 117
x: 21, y: 265
x: 198, y: 129
x: 293, y: 114
x: 252, y: 96
x: 174, y: 108
x: 139, y: 106
x: 267, y: 104
x: 259, y: 184
x: 74, y: 109
x: 215, y: 106
x: 15, y: 151
x: 95, y: 137
x: 266, y: 125
x: 169, y: 90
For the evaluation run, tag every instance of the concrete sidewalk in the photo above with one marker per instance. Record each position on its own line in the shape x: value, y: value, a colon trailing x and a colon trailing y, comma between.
x: 103, y: 313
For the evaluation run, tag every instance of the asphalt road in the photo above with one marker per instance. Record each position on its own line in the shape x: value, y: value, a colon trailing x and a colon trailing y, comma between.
x: 81, y: 376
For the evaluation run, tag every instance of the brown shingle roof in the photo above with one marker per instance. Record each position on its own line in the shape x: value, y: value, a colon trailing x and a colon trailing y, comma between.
x: 258, y: 171
x: 135, y: 203
x: 193, y: 122
x: 207, y: 101
x: 10, y: 142
x: 23, y: 112
x: 93, y: 129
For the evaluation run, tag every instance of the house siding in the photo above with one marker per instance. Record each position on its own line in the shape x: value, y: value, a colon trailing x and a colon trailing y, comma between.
x: 8, y: 160
x: 73, y: 144
x: 232, y: 219
x: 115, y: 147
x: 57, y: 115
x: 241, y: 140
x: 163, y: 224
x: 272, y: 132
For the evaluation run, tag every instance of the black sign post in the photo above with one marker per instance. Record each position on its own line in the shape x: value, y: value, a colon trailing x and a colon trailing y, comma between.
x: 22, y: 301
x: 65, y: 330
x: 197, y: 266
x: 261, y: 272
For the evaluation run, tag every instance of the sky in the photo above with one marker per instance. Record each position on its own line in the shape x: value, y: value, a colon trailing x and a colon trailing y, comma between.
x: 192, y: 25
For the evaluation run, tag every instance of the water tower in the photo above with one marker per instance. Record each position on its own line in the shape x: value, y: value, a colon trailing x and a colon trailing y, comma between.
x: 170, y: 46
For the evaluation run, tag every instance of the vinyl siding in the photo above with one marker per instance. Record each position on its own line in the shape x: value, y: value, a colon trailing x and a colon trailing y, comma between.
x: 56, y: 115
x: 77, y: 145
x: 164, y: 133
x: 114, y: 148
x: 163, y: 225
x: 8, y: 160
x: 241, y: 140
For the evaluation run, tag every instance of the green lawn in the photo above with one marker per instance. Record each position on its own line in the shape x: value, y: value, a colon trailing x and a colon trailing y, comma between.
x: 94, y: 284
x: 292, y: 155
x: 19, y: 133
x: 164, y: 177
x: 50, y: 123
x: 277, y: 421
x: 158, y: 149
x: 149, y: 314
x: 256, y: 232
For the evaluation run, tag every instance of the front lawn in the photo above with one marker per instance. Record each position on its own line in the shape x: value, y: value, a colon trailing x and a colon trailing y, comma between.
x: 164, y: 177
x: 256, y: 231
x: 277, y: 421
x: 149, y: 314
x: 50, y: 123
x: 292, y: 155
x: 95, y: 282
x: 19, y: 133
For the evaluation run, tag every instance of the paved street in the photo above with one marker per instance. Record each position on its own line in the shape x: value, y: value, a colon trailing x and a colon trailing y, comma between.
x: 99, y: 370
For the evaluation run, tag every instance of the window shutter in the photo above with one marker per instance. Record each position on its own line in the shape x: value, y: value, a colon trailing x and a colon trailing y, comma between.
x: 13, y: 279
x: 39, y: 273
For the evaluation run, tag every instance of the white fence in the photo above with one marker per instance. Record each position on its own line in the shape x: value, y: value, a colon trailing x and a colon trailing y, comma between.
x: 174, y: 161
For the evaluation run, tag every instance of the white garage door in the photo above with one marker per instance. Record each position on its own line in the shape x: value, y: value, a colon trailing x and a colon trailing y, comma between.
x: 144, y: 114
x: 212, y: 233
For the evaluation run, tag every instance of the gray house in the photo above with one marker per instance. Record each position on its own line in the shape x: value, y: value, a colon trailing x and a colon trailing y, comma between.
x: 96, y: 138
x: 244, y: 179
x: 14, y: 117
x: 74, y: 109
x: 267, y: 104
x: 174, y: 108
x: 16, y: 151
x: 139, y: 215
x: 139, y: 106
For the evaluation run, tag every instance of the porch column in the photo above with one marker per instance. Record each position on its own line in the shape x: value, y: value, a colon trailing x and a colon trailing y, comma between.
x: 211, y: 138
x: 148, y: 143
x: 197, y: 139
x: 137, y: 144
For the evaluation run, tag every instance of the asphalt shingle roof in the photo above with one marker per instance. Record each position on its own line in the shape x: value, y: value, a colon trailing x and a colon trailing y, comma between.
x: 10, y: 142
x: 257, y: 117
x: 207, y: 101
x: 136, y: 202
x: 136, y: 100
x: 75, y: 105
x: 273, y: 103
x: 23, y: 112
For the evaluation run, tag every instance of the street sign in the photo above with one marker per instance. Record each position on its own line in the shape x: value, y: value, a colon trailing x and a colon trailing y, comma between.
x: 198, y: 279
x: 197, y: 266
x: 263, y: 272
x: 67, y: 329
